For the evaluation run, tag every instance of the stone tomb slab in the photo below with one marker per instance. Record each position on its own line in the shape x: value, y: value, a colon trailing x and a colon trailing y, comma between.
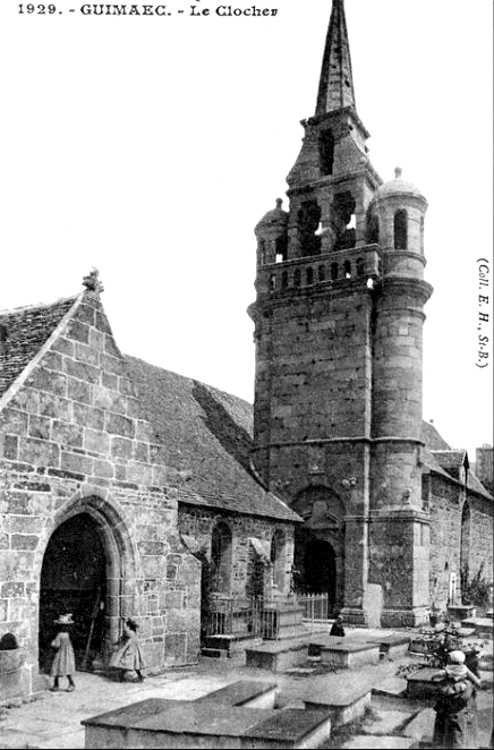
x: 277, y: 655
x: 421, y: 685
x: 344, y: 705
x: 347, y: 653
x: 391, y: 742
x: 243, y: 694
x: 159, y: 723
x: 393, y: 645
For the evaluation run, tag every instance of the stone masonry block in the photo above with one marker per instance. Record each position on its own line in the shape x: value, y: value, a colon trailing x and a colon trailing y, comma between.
x: 89, y: 416
x: 108, y: 399
x: 96, y: 339
x: 79, y: 390
x: 46, y: 380
x: 39, y: 427
x: 109, y: 380
x: 64, y: 346
x: 39, y: 452
x: 86, y: 354
x: 112, y: 364
x: 52, y: 361
x: 24, y: 541
x: 86, y: 314
x: 121, y: 447
x: 74, y: 462
x: 97, y: 441
x: 12, y: 588
x: 54, y: 406
x: 81, y: 370
x: 67, y: 434
x: 78, y: 331
x: 11, y: 447
x: 117, y: 424
x: 14, y: 422
x: 103, y: 469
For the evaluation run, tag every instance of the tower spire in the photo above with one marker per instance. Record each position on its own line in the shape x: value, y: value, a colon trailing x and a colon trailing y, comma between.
x: 336, y: 81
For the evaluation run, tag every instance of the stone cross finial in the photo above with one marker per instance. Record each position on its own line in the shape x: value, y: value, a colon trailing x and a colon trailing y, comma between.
x: 398, y: 171
x: 279, y: 202
x: 92, y: 282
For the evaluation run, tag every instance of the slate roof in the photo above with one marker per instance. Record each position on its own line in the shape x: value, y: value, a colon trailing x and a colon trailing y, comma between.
x: 23, y: 331
x: 438, y: 456
x: 206, y: 435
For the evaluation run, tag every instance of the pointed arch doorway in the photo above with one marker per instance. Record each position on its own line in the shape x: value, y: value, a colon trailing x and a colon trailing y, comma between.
x: 74, y: 579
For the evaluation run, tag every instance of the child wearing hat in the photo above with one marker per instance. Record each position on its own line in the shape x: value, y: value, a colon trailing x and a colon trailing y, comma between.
x: 64, y: 661
x: 128, y: 657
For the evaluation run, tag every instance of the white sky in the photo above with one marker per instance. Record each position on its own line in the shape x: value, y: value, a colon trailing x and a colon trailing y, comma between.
x: 150, y: 147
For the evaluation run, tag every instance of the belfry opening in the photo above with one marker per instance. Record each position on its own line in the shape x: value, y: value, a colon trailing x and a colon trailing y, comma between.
x: 73, y: 579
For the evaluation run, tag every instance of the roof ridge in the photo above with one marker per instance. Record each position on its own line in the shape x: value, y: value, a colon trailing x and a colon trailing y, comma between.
x: 38, y: 305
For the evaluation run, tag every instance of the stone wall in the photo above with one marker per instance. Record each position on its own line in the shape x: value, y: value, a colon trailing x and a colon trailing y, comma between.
x: 198, y: 524
x: 446, y: 506
x: 72, y: 440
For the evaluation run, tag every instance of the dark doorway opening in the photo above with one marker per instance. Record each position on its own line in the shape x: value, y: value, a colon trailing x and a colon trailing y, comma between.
x: 73, y: 579
x: 315, y: 561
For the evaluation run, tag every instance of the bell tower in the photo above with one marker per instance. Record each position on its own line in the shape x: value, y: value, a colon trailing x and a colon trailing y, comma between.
x: 338, y: 331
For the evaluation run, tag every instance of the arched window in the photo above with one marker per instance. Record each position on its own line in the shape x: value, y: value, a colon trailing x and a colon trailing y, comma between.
x: 308, y: 220
x: 272, y: 282
x: 321, y: 273
x: 296, y: 277
x: 221, y: 558
x: 326, y: 151
x: 281, y: 248
x: 284, y: 280
x: 348, y: 269
x: 309, y: 276
x: 401, y: 230
x: 334, y: 271
x: 360, y: 266
x: 278, y: 559
x: 373, y: 229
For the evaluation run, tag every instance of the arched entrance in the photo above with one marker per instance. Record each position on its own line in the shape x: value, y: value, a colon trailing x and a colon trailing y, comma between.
x: 320, y: 544
x: 74, y: 579
x: 315, y: 560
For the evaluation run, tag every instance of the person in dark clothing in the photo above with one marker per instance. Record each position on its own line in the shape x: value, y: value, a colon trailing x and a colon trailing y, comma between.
x: 456, y: 722
x: 337, y: 628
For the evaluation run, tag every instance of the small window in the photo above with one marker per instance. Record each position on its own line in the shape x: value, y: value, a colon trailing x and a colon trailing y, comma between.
x: 334, y: 271
x: 284, y: 280
x: 272, y: 282
x: 309, y: 275
x: 400, y: 230
x: 360, y: 266
x: 296, y: 277
x: 321, y: 273
x: 348, y: 269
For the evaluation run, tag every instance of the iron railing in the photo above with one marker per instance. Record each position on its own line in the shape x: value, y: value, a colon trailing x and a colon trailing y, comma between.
x: 256, y: 617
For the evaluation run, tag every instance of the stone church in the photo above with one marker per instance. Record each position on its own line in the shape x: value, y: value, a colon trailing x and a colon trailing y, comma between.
x: 121, y: 483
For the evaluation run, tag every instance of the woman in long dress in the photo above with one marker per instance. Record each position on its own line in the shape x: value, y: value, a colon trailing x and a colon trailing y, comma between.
x: 128, y: 657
